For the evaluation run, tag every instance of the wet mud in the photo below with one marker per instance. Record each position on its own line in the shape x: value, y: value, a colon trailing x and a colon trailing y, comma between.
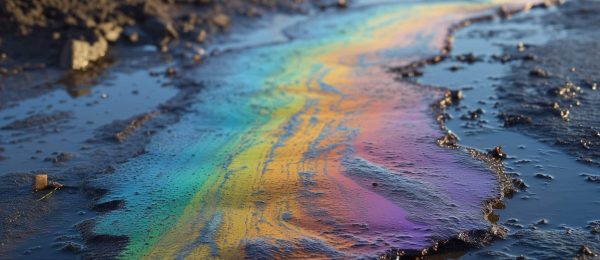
x: 318, y: 152
x: 509, y: 70
x: 558, y: 91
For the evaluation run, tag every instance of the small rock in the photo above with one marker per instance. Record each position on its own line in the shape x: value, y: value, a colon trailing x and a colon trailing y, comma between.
x: 201, y: 36
x: 538, y: 72
x: 542, y: 222
x: 77, y: 54
x: 63, y: 157
x: 519, y: 184
x: 111, y: 31
x: 544, y: 176
x: 221, y: 20
x: 586, y: 251
x: 521, y: 47
x: 455, y: 68
x: 593, y: 178
x: 133, y: 37
x: 497, y: 153
x: 171, y: 72
x: 513, y: 120
x: 468, y: 58
x: 448, y: 140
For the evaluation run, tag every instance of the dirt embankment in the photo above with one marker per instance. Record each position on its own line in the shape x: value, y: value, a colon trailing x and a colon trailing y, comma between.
x: 41, y: 33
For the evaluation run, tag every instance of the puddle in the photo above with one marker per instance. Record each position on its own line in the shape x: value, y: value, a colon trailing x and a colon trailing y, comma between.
x: 75, y: 115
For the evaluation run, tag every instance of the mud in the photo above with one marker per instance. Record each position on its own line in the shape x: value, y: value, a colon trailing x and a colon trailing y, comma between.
x: 516, y: 105
x: 557, y: 90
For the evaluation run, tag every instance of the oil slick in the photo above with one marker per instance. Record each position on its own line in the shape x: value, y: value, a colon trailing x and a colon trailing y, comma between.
x: 307, y: 148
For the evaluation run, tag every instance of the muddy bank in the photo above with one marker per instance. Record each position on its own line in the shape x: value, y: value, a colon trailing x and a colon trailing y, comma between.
x: 558, y: 89
x: 507, y: 70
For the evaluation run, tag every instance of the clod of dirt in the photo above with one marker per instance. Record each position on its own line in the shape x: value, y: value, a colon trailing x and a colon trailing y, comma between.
x: 542, y: 222
x: 513, y: 120
x: 63, y: 157
x: 469, y: 58
x: 454, y: 68
x: 221, y: 20
x: 78, y: 54
x: 544, y: 176
x: 497, y: 153
x: 456, y: 95
x: 519, y: 184
x: 134, y: 125
x: 449, y: 140
x: 586, y: 251
x: 109, y: 205
x: 473, y: 115
x: 201, y: 36
x: 133, y: 37
x: 593, y: 178
x: 538, y: 72
x: 111, y: 31
x: 170, y: 72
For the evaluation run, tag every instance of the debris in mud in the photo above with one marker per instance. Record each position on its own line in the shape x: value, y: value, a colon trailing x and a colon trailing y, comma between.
x: 544, y: 176
x: 513, y: 120
x: 63, y: 157
x: 221, y: 20
x: 538, y: 72
x: 40, y: 182
x: 497, y: 153
x: 449, y: 140
x: 134, y: 125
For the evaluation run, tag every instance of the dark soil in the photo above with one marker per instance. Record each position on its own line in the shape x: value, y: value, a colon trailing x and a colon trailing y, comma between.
x: 556, y: 95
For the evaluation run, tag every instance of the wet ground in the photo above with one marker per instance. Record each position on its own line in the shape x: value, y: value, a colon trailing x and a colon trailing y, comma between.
x: 295, y: 140
x: 553, y: 215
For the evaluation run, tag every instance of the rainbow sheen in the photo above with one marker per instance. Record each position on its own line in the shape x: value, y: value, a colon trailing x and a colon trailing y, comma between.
x: 307, y: 148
